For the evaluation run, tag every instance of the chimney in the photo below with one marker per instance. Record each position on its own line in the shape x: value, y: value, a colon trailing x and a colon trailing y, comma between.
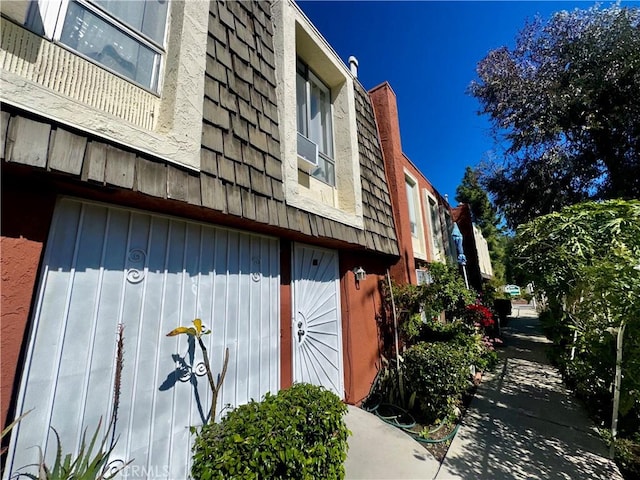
x: 353, y: 65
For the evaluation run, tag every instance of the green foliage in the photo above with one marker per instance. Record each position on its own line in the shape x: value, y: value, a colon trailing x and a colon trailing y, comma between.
x: 477, y: 348
x: 566, y: 104
x: 298, y: 433
x: 586, y: 258
x: 86, y: 465
x: 434, y: 374
x: 627, y: 454
x: 486, y: 217
x: 438, y: 372
x: 446, y: 293
x: 90, y: 463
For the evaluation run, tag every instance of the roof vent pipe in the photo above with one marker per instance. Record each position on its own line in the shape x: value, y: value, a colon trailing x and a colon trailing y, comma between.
x: 353, y: 65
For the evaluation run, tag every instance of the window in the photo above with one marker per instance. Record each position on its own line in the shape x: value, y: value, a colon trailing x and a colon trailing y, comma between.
x: 313, y: 115
x: 423, y: 277
x: 411, y: 200
x: 317, y: 100
x: 125, y: 37
x: 450, y: 246
x: 436, y: 229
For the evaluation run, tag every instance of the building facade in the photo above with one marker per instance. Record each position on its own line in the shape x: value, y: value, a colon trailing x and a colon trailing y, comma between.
x: 422, y: 215
x: 476, y: 249
x: 165, y: 161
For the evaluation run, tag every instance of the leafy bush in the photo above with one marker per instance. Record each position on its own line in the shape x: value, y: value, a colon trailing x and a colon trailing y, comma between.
x: 299, y: 433
x: 627, y: 454
x: 445, y: 293
x: 478, y: 348
x: 438, y: 372
x: 478, y: 315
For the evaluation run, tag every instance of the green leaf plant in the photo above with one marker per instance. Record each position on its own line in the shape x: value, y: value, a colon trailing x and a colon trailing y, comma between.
x: 90, y: 463
x: 197, y: 331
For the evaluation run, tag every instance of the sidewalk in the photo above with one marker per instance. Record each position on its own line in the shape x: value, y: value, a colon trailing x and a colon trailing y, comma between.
x: 378, y: 450
x: 523, y: 423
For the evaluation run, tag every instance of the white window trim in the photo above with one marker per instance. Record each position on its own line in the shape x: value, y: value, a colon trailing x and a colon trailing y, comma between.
x: 411, y: 188
x: 292, y: 23
x: 436, y: 254
x: 313, y: 79
x: 417, y: 240
x: 176, y: 137
x: 53, y: 19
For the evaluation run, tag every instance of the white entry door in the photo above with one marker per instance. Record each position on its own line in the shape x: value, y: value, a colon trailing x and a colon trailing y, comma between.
x: 105, y: 266
x: 317, y: 326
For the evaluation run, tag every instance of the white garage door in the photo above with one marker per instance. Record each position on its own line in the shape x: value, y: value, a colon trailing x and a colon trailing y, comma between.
x: 107, y: 266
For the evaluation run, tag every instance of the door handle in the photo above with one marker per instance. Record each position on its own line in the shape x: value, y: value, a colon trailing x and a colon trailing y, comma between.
x: 300, y: 332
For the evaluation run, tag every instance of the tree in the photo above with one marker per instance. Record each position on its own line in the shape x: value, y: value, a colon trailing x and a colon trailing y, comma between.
x: 485, y: 216
x: 565, y: 103
x: 586, y: 259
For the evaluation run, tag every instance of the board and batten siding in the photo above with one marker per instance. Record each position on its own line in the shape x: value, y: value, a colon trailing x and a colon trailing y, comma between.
x: 105, y: 266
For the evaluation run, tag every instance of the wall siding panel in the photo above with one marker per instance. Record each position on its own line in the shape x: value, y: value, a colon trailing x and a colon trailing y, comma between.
x: 106, y: 266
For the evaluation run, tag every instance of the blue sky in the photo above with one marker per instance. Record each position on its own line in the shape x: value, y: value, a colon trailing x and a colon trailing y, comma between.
x: 428, y: 52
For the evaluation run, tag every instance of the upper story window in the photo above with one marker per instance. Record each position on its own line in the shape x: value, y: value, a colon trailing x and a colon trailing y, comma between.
x: 435, y: 225
x: 315, y: 130
x: 125, y: 37
x: 411, y: 200
x: 317, y: 120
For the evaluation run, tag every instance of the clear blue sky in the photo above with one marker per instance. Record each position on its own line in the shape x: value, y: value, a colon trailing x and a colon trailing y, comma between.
x: 428, y: 52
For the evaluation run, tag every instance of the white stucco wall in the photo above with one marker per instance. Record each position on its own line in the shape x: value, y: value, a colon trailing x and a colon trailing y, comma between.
x: 294, y: 35
x: 45, y: 78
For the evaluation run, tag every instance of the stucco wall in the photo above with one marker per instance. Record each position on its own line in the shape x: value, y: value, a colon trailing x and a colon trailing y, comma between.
x: 26, y: 217
x: 361, y: 306
x: 397, y: 166
x: 385, y: 107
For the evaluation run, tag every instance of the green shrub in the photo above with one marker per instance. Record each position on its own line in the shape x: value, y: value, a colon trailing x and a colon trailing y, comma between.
x: 628, y: 457
x: 438, y: 372
x: 478, y: 349
x: 298, y: 433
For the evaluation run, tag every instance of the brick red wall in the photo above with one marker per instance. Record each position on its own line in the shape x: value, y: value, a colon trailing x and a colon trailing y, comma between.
x: 385, y: 108
x: 286, y: 360
x: 361, y: 337
x: 386, y: 111
x: 26, y: 217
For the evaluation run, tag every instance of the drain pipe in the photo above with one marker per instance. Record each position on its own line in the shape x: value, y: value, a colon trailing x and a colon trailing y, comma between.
x: 395, y: 335
x: 395, y: 321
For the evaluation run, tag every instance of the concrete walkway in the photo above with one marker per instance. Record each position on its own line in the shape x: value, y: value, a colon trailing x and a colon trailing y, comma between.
x: 378, y: 450
x: 523, y: 423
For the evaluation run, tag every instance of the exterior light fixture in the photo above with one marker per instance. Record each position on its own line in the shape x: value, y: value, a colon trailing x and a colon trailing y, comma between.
x: 360, y: 274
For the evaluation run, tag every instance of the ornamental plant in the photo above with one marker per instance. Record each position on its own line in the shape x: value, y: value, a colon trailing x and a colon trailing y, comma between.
x: 438, y: 372
x: 92, y: 461
x: 299, y: 433
x: 479, y: 315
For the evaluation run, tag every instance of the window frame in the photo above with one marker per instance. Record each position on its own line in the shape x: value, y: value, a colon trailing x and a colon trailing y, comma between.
x: 411, y: 188
x: 296, y: 37
x: 439, y: 253
x: 53, y: 21
x: 311, y: 79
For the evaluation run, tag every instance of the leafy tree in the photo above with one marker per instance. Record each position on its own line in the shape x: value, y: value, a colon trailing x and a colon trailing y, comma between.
x: 485, y: 216
x: 586, y: 259
x: 565, y: 102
